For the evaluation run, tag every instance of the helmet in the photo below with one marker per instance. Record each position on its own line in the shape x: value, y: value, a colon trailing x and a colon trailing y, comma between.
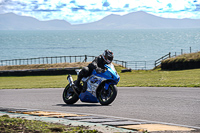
x: 107, y: 56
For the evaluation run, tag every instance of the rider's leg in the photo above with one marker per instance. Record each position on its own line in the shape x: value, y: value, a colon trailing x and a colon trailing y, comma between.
x: 83, y: 73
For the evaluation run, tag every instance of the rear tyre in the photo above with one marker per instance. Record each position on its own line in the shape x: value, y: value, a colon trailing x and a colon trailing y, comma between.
x: 69, y: 97
x: 106, y: 97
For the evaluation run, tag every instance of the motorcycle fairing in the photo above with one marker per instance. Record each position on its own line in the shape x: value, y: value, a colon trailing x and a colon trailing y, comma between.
x: 88, y: 97
x: 93, y: 82
x: 110, y: 74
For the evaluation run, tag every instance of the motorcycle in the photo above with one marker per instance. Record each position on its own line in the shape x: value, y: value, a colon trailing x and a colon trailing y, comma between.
x: 96, y: 88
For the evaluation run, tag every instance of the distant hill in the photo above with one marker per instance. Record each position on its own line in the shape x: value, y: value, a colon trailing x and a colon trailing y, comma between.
x: 135, y: 20
x: 11, y: 21
x: 140, y: 20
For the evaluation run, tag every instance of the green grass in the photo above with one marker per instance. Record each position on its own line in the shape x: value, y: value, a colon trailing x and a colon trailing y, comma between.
x: 157, y: 78
x: 16, y: 125
x: 33, y: 82
x: 184, y: 78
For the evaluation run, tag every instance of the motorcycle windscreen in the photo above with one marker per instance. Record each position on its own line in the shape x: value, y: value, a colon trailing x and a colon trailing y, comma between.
x: 111, y: 72
x: 88, y: 97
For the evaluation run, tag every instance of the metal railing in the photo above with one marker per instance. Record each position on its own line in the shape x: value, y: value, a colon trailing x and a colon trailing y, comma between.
x: 137, y: 65
x: 169, y: 55
x: 134, y: 65
x: 54, y: 60
x: 158, y: 61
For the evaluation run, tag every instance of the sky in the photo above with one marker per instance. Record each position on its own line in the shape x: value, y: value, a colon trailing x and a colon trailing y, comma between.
x: 86, y: 11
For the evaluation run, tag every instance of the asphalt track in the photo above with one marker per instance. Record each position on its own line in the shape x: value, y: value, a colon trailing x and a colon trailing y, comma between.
x: 160, y: 104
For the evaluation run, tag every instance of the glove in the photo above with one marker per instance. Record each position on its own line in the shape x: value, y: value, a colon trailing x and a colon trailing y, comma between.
x: 99, y: 70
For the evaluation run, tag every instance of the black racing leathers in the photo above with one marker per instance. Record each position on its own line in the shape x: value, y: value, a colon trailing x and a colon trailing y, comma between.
x: 97, y: 64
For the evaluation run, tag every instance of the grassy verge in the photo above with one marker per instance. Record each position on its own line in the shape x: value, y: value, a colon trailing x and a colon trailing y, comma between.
x: 184, y: 58
x: 157, y: 78
x: 44, y: 66
x: 182, y: 62
x: 11, y: 125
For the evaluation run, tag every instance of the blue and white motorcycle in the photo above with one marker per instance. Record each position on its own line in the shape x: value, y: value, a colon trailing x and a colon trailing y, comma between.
x: 98, y: 87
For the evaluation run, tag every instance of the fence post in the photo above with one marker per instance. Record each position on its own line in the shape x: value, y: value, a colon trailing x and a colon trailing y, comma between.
x: 169, y: 54
x: 85, y: 58
x: 65, y: 59
x: 135, y: 65
x: 181, y: 51
x: 190, y: 50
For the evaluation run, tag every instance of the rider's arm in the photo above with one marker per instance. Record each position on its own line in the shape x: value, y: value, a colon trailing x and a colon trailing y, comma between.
x: 94, y: 65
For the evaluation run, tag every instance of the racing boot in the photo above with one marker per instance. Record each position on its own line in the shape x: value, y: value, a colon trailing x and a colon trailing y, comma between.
x: 78, y: 86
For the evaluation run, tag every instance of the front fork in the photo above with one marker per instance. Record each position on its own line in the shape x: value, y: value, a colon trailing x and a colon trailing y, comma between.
x: 71, y: 83
x: 70, y: 79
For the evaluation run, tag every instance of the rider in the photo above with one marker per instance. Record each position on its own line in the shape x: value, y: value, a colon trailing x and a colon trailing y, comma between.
x: 97, y: 64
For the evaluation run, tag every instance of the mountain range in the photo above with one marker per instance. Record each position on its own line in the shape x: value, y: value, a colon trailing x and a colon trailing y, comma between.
x: 135, y: 20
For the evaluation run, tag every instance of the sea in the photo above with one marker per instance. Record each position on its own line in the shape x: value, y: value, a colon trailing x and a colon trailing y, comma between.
x: 127, y: 45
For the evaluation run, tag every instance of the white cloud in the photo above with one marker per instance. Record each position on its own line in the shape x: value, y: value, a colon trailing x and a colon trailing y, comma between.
x: 1, y: 1
x: 83, y: 11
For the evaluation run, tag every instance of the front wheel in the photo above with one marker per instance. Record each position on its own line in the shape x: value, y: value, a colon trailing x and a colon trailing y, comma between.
x: 69, y: 97
x: 106, y: 97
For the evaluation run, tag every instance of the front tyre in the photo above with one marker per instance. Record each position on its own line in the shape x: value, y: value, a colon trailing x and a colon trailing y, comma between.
x: 106, y: 97
x: 69, y: 97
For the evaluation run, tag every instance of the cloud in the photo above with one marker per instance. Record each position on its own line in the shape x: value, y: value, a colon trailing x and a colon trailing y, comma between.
x: 1, y: 1
x: 197, y: 7
x: 84, y: 11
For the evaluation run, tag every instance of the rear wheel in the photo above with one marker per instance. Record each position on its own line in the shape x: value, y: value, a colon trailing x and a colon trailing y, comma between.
x: 69, y: 97
x: 106, y: 97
